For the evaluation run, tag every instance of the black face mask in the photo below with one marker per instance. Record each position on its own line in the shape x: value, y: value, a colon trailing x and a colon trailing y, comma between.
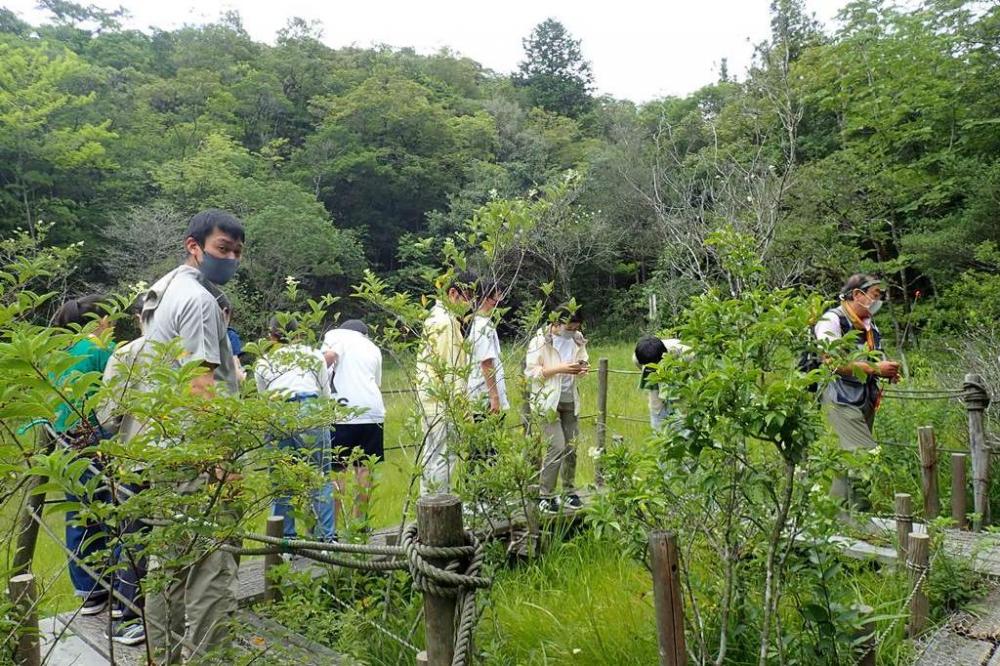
x: 217, y: 270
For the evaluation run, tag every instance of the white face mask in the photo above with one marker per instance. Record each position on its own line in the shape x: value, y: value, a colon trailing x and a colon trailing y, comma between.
x: 873, y: 306
x: 566, y: 333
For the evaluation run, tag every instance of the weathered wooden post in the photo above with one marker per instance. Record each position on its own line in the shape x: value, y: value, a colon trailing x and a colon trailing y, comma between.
x: 928, y: 468
x: 918, y: 562
x: 27, y: 651
x: 667, y: 597
x: 904, y: 525
x: 958, y: 490
x: 602, y: 417
x: 866, y: 638
x: 533, y: 541
x: 439, y: 523
x: 977, y: 399
x: 275, y: 528
x: 27, y: 535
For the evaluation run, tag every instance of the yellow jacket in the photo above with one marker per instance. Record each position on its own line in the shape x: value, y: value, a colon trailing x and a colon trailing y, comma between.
x: 443, y: 362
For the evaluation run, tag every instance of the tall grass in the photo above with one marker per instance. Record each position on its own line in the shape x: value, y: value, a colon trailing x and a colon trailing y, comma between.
x: 583, y: 603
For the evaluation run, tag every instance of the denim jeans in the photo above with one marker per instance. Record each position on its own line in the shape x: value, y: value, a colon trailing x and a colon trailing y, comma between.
x: 659, y: 410
x: 313, y: 445
x: 84, y: 540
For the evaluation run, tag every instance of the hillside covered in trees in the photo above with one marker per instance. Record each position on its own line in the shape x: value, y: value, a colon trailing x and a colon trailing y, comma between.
x: 874, y: 147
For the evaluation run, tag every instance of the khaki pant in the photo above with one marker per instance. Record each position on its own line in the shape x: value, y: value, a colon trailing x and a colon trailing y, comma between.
x: 436, y: 461
x: 853, y: 426
x: 201, y: 595
x: 560, y: 458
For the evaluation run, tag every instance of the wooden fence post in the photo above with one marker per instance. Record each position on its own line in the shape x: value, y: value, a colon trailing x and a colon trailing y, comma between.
x: 867, y: 645
x: 27, y: 535
x: 918, y: 562
x: 958, y: 490
x: 928, y: 468
x: 27, y: 651
x: 602, y: 417
x: 977, y: 399
x: 533, y: 541
x: 275, y: 528
x: 667, y: 597
x: 439, y: 523
x: 904, y: 525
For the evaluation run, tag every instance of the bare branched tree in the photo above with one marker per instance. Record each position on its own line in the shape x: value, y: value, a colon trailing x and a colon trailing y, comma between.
x: 145, y: 242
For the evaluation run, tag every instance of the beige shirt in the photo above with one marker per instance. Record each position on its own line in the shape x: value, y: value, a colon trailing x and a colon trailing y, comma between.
x: 545, y: 392
x: 442, y: 364
x: 123, y: 372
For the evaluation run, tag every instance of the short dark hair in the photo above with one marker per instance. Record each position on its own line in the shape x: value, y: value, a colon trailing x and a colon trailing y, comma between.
x: 79, y: 310
x: 355, y: 325
x: 279, y: 331
x: 569, y: 314
x: 204, y: 223
x: 464, y: 281
x: 649, y: 350
x: 487, y: 287
x: 862, y: 281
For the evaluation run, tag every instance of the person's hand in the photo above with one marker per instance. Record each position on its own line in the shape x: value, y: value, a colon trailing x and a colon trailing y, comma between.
x: 887, y: 369
x: 222, y: 475
x: 574, y: 368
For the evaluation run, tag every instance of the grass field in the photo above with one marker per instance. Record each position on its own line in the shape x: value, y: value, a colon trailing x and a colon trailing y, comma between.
x: 394, y: 475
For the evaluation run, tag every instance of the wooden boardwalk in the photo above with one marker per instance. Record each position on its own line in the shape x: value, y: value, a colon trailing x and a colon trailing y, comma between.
x: 267, y: 641
x: 970, y: 637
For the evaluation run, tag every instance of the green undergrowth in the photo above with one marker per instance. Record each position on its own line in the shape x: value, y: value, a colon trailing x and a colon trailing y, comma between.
x: 582, y: 603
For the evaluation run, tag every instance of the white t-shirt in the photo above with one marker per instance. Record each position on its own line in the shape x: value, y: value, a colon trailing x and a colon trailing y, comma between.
x: 357, y: 374
x: 485, y: 344
x: 828, y: 327
x: 293, y: 370
x: 567, y: 354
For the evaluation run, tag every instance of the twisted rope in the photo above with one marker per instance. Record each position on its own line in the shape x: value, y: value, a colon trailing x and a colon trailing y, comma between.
x: 447, y: 582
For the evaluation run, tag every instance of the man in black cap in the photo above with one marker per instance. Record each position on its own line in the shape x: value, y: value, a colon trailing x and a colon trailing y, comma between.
x: 356, y: 364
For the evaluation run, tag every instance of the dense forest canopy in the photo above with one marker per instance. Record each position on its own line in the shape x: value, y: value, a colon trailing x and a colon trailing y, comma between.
x: 872, y: 147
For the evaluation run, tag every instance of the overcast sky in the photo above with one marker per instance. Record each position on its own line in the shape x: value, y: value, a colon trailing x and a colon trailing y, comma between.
x: 640, y: 49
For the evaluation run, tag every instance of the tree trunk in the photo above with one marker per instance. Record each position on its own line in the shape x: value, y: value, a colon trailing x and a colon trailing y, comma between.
x: 772, y: 549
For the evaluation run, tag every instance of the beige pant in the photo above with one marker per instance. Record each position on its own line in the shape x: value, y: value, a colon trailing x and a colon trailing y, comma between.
x: 202, y: 595
x: 853, y: 426
x: 560, y: 458
x: 436, y: 461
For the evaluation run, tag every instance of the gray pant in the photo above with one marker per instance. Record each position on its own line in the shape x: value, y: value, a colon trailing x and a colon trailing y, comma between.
x: 853, y: 426
x: 202, y: 595
x: 560, y: 458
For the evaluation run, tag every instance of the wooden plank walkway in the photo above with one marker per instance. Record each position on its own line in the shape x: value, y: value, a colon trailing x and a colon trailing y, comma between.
x: 971, y: 636
x: 268, y: 641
